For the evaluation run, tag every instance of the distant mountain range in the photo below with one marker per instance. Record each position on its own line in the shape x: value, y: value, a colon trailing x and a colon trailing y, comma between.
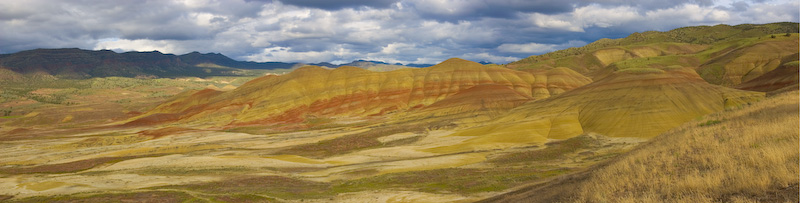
x: 76, y: 63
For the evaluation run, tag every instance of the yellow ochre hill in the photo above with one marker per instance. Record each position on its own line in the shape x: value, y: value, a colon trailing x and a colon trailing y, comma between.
x: 453, y: 86
x: 637, y: 103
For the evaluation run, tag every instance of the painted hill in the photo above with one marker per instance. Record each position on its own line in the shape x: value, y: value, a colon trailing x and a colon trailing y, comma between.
x: 722, y: 54
x: 628, y: 103
x: 731, y: 64
x: 785, y: 76
x: 349, y: 92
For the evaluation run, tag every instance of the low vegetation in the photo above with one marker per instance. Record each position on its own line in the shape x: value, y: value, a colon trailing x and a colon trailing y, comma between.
x: 553, y: 151
x: 352, y: 142
x: 68, y: 167
x: 274, y: 186
x: 153, y: 196
x: 452, y: 180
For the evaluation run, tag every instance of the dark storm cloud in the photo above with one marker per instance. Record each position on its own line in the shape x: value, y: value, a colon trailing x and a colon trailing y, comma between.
x: 739, y: 6
x: 406, y: 31
x: 455, y: 10
x: 340, y: 4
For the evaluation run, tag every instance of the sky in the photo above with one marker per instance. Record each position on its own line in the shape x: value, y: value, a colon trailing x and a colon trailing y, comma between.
x: 392, y: 31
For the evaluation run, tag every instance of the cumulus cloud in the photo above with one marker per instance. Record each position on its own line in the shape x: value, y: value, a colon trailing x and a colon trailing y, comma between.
x: 339, y: 4
x: 138, y: 45
x: 537, y: 48
x: 394, y: 31
x: 635, y: 19
x: 760, y: 13
x: 649, y: 4
x: 284, y: 53
x: 487, y: 57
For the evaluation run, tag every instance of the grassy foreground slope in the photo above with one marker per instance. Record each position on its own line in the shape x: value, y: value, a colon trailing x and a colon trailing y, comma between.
x: 742, y: 155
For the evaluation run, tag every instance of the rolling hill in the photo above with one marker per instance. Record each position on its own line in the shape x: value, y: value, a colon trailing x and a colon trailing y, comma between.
x: 783, y: 77
x: 350, y: 92
x: 722, y: 54
x: 632, y: 103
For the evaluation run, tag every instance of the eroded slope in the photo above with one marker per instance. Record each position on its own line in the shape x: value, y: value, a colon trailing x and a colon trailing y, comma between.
x: 631, y: 103
x: 349, y: 92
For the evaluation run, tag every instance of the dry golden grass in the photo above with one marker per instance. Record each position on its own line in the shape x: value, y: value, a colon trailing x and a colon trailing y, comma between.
x: 743, y: 155
x: 734, y: 156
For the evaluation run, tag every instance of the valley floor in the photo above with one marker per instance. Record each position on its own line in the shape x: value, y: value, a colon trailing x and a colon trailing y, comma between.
x: 181, y: 163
